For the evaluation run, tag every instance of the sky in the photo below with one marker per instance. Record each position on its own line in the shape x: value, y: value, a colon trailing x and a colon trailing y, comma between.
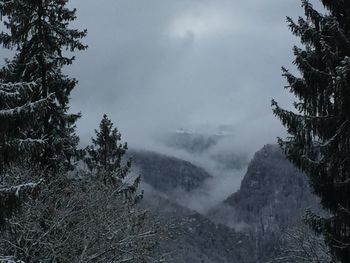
x: 158, y: 65
x: 154, y: 66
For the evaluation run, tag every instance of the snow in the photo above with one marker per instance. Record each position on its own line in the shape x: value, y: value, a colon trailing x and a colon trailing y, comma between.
x: 9, y: 259
x: 18, y: 188
x: 24, y: 109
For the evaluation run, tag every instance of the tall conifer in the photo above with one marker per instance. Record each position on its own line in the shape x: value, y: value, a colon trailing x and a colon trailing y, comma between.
x: 319, y: 128
x: 105, y: 155
x: 18, y: 112
x: 39, y: 32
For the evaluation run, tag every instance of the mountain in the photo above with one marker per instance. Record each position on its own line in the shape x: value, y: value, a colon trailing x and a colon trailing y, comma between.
x: 194, y: 238
x: 271, y: 201
x: 166, y: 173
x: 247, y: 227
x: 190, y: 237
x: 211, y: 145
x: 273, y: 193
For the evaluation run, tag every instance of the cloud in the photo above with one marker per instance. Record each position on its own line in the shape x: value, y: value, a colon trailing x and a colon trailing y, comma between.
x: 158, y: 65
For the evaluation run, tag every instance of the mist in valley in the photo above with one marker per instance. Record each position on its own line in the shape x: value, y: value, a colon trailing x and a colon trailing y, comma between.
x: 192, y: 65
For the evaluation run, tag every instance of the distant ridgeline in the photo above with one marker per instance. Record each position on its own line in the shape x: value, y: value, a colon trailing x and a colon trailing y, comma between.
x: 192, y: 142
x: 166, y: 173
x: 207, y: 144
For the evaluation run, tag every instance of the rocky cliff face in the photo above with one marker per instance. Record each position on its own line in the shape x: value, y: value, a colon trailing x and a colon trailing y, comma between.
x: 273, y: 193
x: 271, y: 201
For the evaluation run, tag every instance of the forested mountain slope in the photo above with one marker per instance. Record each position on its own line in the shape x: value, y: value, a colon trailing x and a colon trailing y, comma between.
x: 194, y: 238
x: 166, y: 173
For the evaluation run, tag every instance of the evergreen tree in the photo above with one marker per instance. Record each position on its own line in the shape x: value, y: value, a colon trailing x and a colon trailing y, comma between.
x: 319, y: 129
x: 105, y: 155
x: 17, y: 114
x: 38, y: 30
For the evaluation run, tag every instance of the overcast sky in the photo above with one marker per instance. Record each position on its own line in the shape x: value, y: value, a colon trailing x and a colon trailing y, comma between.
x: 158, y: 65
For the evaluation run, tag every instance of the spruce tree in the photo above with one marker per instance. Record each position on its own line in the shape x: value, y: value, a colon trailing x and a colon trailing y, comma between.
x: 39, y: 32
x: 17, y: 115
x: 319, y: 128
x: 106, y: 153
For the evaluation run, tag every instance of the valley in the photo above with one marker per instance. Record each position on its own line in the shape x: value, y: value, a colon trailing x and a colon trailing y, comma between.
x: 245, y: 226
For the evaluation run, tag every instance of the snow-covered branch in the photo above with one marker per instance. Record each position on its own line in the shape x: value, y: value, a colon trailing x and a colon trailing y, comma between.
x: 17, y: 189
